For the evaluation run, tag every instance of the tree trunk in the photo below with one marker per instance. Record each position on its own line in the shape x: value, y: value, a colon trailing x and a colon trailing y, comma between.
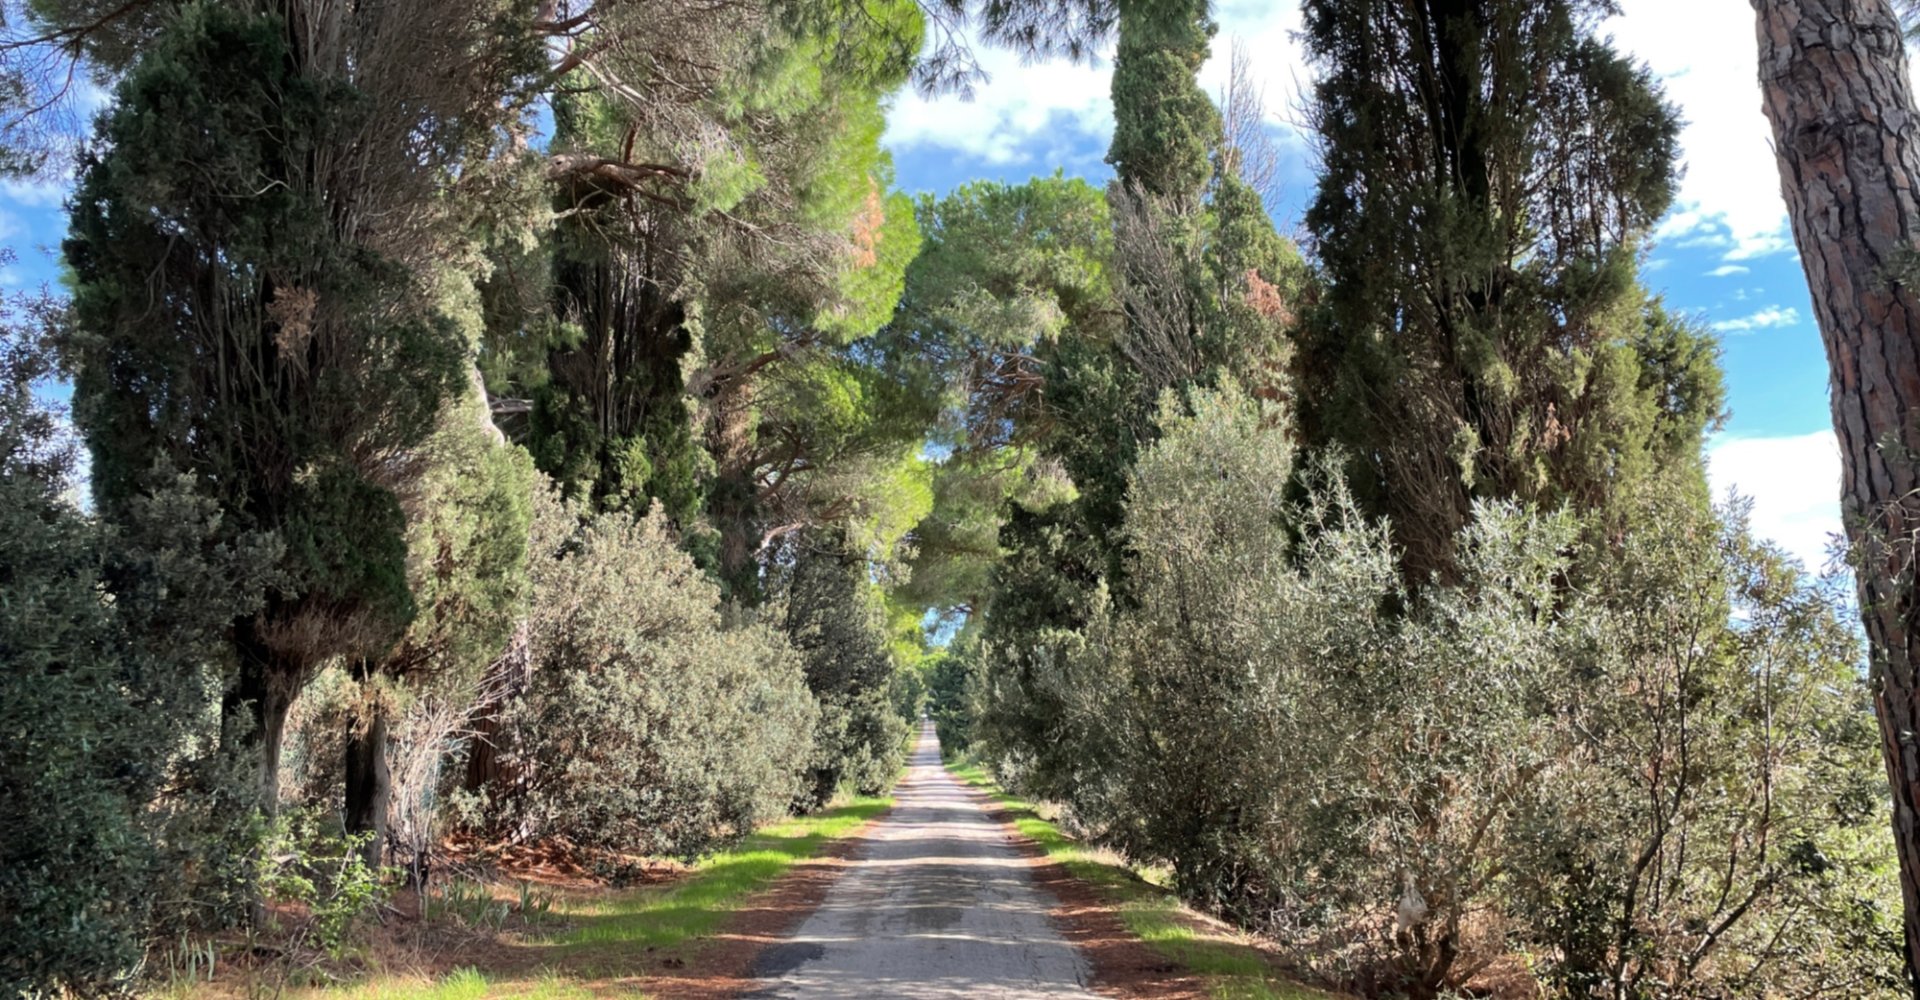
x: 484, y: 767
x: 1834, y: 76
x: 487, y: 769
x: 253, y: 716
x: 254, y: 710
x: 369, y: 782
x: 733, y: 503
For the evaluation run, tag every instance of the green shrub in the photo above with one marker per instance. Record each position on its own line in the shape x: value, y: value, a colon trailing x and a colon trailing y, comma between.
x: 648, y: 723
x: 108, y: 641
x: 306, y: 859
x: 1711, y: 823
x: 1655, y: 777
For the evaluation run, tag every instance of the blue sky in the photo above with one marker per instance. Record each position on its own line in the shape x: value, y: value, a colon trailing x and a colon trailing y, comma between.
x: 1724, y: 255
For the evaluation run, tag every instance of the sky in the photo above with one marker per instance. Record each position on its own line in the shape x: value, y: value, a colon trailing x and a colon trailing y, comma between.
x: 1724, y: 254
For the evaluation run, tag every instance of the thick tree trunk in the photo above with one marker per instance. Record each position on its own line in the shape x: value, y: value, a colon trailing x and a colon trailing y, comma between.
x: 733, y: 504
x: 484, y: 767
x: 487, y: 769
x: 253, y: 715
x: 369, y: 782
x: 1834, y: 75
x: 255, y: 708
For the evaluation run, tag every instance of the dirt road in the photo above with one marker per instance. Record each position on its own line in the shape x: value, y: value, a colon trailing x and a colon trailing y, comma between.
x: 938, y: 904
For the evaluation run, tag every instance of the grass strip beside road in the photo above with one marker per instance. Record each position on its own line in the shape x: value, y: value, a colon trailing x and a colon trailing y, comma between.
x: 608, y: 936
x: 695, y: 907
x: 1232, y: 969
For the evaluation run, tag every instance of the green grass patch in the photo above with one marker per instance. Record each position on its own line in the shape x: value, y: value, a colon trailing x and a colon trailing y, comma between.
x: 695, y: 906
x: 607, y: 936
x: 1150, y: 911
x: 464, y: 984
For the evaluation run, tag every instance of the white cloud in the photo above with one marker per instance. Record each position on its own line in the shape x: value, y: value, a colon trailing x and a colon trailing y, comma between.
x: 1725, y: 270
x: 45, y: 192
x: 1049, y: 111
x: 1760, y: 244
x: 1017, y: 105
x: 1704, y: 52
x: 1794, y: 484
x: 1765, y: 319
x: 1267, y: 30
x: 1696, y: 232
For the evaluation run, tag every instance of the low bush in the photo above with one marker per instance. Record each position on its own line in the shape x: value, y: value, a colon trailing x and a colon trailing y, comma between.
x: 648, y: 722
x: 307, y: 861
x: 111, y: 815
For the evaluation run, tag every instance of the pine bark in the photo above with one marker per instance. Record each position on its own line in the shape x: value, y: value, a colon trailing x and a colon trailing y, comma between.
x: 1846, y: 135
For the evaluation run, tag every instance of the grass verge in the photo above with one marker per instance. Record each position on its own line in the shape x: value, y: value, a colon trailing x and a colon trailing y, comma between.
x: 607, y: 936
x: 1232, y: 969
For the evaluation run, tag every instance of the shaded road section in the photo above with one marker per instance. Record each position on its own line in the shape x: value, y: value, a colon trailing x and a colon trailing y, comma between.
x: 937, y: 904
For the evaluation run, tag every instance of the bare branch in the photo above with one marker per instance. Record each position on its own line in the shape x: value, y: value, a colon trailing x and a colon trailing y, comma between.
x: 1248, y: 146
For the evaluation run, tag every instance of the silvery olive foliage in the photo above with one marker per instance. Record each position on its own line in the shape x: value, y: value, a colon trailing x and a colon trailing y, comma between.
x: 1651, y: 781
x: 650, y: 722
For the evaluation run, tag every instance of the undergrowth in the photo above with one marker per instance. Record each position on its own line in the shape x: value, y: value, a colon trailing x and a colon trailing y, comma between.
x: 586, y: 940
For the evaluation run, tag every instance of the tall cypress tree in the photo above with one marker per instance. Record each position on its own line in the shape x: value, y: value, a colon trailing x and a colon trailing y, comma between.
x: 1204, y: 288
x: 1491, y: 171
x: 1165, y: 128
x: 1204, y: 281
x: 254, y: 237
x: 610, y: 418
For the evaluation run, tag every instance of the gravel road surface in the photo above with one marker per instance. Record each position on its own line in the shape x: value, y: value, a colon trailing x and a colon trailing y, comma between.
x: 937, y: 904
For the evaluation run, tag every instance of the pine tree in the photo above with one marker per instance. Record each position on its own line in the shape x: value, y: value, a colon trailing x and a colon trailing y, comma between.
x: 1006, y: 274
x: 721, y: 249
x: 1834, y: 74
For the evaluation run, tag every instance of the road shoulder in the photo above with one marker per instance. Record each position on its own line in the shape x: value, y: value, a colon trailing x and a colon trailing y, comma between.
x: 731, y: 961
x: 1141, y: 943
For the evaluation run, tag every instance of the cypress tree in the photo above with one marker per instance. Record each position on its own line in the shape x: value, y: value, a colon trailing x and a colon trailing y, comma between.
x: 1205, y: 283
x: 610, y: 419
x: 256, y: 310
x: 469, y: 510
x: 1165, y: 128
x: 836, y: 622
x: 1204, y: 287
x: 1491, y: 171
x: 101, y: 697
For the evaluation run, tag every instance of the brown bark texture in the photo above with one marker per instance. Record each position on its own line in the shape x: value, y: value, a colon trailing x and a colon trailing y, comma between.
x: 1847, y: 138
